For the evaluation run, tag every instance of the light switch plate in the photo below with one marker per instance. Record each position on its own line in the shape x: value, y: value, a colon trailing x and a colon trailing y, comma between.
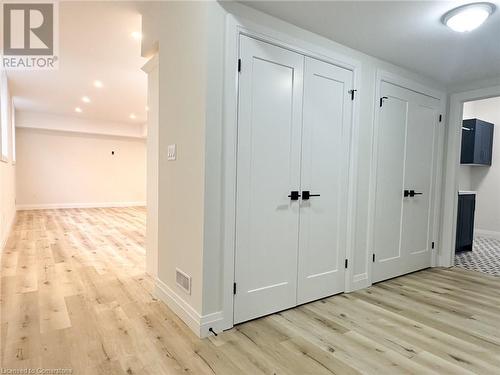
x: 171, y: 152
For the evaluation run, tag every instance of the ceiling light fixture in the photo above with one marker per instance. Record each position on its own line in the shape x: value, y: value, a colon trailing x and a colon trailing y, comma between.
x: 468, y: 17
x: 136, y: 35
x: 132, y: 116
x: 98, y: 84
x: 78, y: 110
x: 85, y: 99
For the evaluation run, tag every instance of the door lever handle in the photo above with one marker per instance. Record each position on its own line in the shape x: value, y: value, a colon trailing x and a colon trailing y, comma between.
x: 306, y: 194
x: 294, y: 195
x: 413, y: 193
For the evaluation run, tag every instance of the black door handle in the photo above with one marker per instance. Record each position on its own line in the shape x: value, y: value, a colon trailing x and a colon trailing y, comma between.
x: 406, y: 193
x: 306, y: 194
x: 413, y: 193
x: 294, y: 195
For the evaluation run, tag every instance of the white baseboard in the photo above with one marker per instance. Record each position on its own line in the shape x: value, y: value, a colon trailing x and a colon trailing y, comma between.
x: 197, y: 323
x: 487, y: 233
x: 10, y: 227
x: 53, y: 206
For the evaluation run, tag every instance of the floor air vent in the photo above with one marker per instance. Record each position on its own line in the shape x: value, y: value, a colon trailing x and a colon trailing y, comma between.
x: 183, y: 280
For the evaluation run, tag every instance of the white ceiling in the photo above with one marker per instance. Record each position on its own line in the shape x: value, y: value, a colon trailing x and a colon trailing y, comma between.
x: 406, y: 33
x: 95, y: 44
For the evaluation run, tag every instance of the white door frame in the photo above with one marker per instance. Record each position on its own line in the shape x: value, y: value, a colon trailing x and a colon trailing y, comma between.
x: 384, y: 76
x: 235, y: 27
x: 453, y: 149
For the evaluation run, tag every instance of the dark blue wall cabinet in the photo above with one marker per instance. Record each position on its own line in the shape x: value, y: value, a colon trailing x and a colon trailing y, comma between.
x: 477, y: 142
x: 465, y: 222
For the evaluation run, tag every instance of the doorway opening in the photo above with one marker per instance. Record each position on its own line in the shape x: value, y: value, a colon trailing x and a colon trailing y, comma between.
x: 478, y: 217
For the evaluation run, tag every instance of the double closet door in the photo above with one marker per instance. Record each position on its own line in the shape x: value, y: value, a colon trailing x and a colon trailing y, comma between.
x: 294, y: 119
x: 405, y: 182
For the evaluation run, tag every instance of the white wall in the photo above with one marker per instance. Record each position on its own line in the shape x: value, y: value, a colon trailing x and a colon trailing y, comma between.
x: 191, y: 190
x: 67, y: 169
x: 183, y: 79
x: 486, y: 180
x: 7, y: 171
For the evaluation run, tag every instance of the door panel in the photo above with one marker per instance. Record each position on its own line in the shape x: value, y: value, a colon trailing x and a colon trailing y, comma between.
x: 406, y: 161
x: 268, y: 168
x: 419, y: 167
x: 389, y: 185
x: 326, y: 133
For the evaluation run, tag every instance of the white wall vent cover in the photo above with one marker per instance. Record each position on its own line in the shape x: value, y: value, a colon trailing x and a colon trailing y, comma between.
x: 183, y: 280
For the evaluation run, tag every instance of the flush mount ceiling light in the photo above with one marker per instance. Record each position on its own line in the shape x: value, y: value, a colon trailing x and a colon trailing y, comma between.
x: 78, y: 110
x: 468, y: 17
x: 98, y: 84
x: 85, y: 99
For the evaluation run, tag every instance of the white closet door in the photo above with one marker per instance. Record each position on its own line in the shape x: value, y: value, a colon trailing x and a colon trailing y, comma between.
x: 268, y: 169
x: 391, y: 147
x: 417, y: 219
x: 406, y: 161
x: 325, y: 157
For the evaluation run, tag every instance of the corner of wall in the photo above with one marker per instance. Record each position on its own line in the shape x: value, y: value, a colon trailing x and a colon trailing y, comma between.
x: 199, y: 324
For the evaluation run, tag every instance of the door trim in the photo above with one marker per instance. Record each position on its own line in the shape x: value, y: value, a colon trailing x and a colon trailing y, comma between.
x: 394, y: 79
x: 234, y: 28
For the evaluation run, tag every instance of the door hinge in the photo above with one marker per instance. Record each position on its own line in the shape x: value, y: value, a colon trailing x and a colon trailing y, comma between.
x: 382, y: 100
x: 432, y: 245
x: 234, y: 288
x: 440, y: 118
x: 346, y: 263
x: 239, y: 65
x: 352, y: 92
x: 373, y: 257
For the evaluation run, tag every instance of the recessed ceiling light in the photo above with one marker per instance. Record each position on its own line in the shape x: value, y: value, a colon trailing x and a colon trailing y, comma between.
x: 132, y: 116
x: 78, y: 110
x: 468, y: 17
x: 137, y: 35
x: 98, y: 84
x: 85, y: 99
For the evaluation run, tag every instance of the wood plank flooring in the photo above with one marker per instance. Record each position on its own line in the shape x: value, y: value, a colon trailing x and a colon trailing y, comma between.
x: 74, y: 295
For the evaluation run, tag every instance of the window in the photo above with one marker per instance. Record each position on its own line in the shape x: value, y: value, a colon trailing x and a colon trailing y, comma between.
x: 4, y: 117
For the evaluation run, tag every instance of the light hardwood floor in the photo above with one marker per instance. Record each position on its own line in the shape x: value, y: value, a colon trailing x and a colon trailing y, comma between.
x: 74, y: 295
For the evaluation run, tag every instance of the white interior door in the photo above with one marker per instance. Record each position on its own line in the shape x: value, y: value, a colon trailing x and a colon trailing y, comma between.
x: 406, y: 162
x: 324, y: 172
x: 417, y: 221
x: 268, y: 169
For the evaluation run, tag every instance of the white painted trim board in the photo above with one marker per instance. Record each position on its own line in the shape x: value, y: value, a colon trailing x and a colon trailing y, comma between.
x: 53, y: 206
x: 199, y: 324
